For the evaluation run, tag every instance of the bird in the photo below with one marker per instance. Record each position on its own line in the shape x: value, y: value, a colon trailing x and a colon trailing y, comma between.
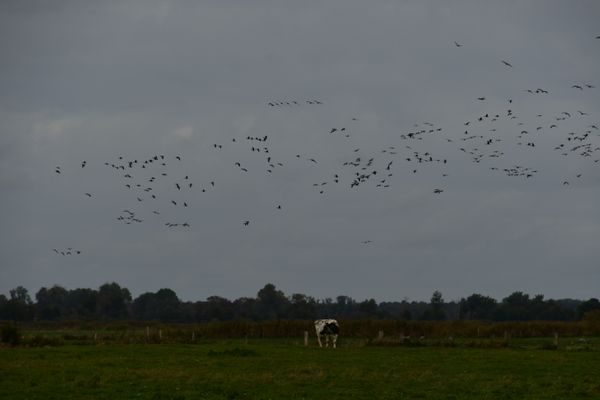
x: 438, y: 190
x: 246, y: 223
x: 457, y: 44
x: 507, y: 63
x: 88, y: 195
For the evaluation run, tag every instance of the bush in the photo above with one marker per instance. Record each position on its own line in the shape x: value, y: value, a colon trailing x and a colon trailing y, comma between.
x: 10, y: 334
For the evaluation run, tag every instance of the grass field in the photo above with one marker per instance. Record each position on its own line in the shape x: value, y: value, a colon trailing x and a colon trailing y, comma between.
x: 285, y: 369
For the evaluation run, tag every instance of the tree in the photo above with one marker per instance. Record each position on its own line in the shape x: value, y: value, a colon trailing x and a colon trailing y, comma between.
x: 20, y: 294
x: 302, y: 307
x: 113, y: 301
x: 20, y: 306
x: 3, y: 310
x: 436, y: 305
x: 515, y: 307
x: 218, y: 308
x: 164, y: 305
x: 477, y: 307
x: 51, y: 303
x: 368, y: 308
x: 81, y: 303
x: 272, y: 302
x: 587, y: 306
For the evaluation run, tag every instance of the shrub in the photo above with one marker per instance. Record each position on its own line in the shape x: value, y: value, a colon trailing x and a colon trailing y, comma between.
x: 10, y: 334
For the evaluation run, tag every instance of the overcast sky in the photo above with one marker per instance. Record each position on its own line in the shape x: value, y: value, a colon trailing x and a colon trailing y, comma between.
x: 125, y: 81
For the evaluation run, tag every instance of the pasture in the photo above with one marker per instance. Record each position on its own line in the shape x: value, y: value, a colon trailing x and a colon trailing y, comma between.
x: 285, y: 369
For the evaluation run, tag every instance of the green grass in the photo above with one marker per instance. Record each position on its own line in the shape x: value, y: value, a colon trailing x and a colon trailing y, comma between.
x: 283, y: 369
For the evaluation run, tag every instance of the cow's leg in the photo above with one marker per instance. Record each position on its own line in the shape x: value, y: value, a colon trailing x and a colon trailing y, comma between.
x: 334, y: 340
x: 326, y: 340
x: 319, y: 340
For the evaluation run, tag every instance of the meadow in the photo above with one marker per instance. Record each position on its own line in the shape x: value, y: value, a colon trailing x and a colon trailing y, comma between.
x: 156, y: 363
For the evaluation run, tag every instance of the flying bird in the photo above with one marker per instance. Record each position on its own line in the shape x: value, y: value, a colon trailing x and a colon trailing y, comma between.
x: 507, y: 63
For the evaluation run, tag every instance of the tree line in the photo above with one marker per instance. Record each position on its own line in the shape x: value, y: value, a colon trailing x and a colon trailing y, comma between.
x: 113, y: 302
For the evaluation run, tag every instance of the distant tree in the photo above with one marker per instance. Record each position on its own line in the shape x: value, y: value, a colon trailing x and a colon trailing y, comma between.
x: 368, y: 309
x: 218, y: 308
x: 246, y: 308
x: 19, y: 307
x: 51, y: 303
x: 272, y: 303
x: 142, y: 307
x: 587, y: 306
x: 553, y: 311
x: 81, y: 303
x: 164, y: 305
x: 113, y: 301
x: 514, y: 307
x: 302, y: 307
x: 20, y: 294
x: 436, y: 305
x: 477, y: 307
x: 3, y: 303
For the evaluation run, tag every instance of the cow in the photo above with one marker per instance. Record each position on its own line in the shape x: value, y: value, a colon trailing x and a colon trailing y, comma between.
x: 327, y: 328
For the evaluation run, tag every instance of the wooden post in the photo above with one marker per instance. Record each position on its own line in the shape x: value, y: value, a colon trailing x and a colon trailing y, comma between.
x: 95, y: 336
x: 379, y: 335
x: 556, y: 339
x: 478, y: 331
x: 160, y: 334
x: 147, y: 333
x: 305, y: 338
x: 193, y: 336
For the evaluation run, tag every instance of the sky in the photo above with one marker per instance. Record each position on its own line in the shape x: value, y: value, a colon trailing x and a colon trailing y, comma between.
x: 487, y: 111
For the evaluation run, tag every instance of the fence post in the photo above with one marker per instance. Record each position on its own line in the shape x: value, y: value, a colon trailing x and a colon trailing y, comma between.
x: 193, y: 336
x: 95, y: 336
x: 147, y: 333
x: 556, y: 339
x: 305, y: 338
x: 160, y: 334
x: 379, y: 335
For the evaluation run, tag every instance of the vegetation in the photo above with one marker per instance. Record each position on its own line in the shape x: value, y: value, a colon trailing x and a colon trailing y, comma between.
x: 276, y: 369
x: 113, y: 302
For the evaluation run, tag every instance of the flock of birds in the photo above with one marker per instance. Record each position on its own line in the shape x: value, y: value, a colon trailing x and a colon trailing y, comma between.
x: 159, y: 183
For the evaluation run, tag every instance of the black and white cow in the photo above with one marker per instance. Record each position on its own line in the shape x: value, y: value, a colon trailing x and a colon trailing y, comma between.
x: 327, y: 328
